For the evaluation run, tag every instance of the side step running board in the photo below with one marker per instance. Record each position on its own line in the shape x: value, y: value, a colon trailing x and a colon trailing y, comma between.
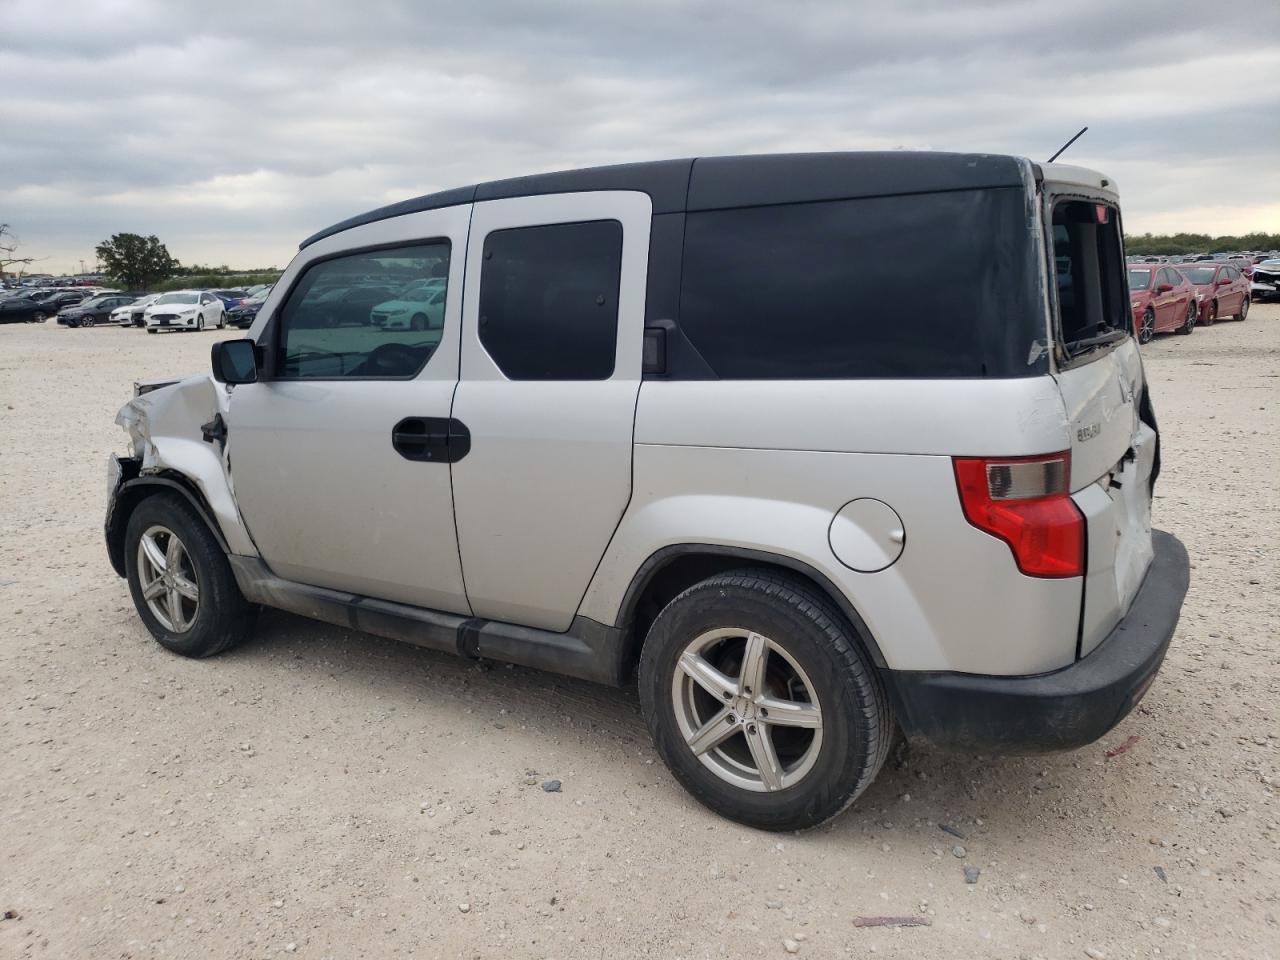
x: 588, y: 649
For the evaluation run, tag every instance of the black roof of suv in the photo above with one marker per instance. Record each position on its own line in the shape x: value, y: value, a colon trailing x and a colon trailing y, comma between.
x: 717, y: 183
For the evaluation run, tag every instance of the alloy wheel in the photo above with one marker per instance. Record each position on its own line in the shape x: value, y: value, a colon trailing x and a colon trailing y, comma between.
x: 1244, y: 308
x: 747, y: 710
x: 168, y: 579
x: 1148, y: 329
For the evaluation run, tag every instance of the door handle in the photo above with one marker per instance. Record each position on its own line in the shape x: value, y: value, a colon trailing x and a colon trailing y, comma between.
x: 433, y: 439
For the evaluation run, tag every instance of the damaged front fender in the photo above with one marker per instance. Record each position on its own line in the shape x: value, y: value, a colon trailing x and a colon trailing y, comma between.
x: 166, y: 426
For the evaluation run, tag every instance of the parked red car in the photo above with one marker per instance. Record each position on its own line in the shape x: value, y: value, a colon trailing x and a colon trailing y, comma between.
x: 1162, y: 300
x: 1222, y: 290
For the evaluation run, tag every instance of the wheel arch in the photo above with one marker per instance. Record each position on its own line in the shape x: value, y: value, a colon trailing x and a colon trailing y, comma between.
x: 672, y: 569
x: 132, y: 492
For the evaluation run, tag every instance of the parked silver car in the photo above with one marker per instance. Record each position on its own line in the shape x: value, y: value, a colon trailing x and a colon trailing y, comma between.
x: 679, y: 423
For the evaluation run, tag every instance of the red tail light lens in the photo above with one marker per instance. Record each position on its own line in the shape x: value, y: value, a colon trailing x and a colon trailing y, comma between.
x: 1025, y: 501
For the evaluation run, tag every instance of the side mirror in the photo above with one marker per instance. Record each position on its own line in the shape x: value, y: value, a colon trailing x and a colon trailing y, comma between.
x: 1223, y: 281
x: 1164, y: 288
x: 235, y: 361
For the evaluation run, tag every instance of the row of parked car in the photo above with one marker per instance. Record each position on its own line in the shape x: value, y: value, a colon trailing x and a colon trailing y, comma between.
x: 1167, y: 299
x: 175, y: 310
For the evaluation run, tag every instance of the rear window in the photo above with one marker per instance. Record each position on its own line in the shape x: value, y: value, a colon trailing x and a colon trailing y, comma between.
x: 1090, y: 274
x: 919, y: 286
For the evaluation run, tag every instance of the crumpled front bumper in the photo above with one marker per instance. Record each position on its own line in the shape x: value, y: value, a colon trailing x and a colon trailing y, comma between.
x: 1065, y: 708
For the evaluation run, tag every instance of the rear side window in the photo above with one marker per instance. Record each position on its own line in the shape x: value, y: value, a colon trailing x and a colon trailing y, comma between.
x: 1090, y: 272
x: 549, y: 300
x: 920, y: 286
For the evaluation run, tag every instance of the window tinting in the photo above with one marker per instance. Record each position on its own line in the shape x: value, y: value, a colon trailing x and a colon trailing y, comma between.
x: 1091, y: 289
x: 549, y: 300
x: 928, y: 285
x: 366, y: 315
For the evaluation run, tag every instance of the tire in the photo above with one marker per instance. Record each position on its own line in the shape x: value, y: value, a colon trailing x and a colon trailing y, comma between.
x: 200, y: 323
x: 418, y: 321
x: 1189, y: 324
x: 88, y: 321
x: 1211, y: 315
x: 218, y: 617
x: 39, y: 317
x: 222, y: 319
x: 1244, y: 310
x: 1147, y: 329
x: 819, y: 772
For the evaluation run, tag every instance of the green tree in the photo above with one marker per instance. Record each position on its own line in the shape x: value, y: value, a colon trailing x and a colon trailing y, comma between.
x: 135, y: 261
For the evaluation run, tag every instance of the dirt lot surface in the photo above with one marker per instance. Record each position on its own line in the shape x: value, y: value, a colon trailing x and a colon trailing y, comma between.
x: 321, y: 793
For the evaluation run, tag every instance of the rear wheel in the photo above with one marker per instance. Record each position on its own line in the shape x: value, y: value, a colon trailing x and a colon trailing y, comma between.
x: 1147, y: 329
x: 1211, y: 314
x: 39, y: 317
x: 1244, y: 309
x: 181, y: 582
x: 222, y: 319
x: 200, y: 323
x: 418, y: 322
x: 88, y: 320
x: 1189, y: 323
x: 761, y: 702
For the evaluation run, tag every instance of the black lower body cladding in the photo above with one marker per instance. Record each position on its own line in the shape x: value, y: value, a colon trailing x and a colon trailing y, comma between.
x: 1066, y: 708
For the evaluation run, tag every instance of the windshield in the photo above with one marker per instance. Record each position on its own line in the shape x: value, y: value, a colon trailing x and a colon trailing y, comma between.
x: 1199, y: 274
x: 1138, y: 279
x: 179, y: 298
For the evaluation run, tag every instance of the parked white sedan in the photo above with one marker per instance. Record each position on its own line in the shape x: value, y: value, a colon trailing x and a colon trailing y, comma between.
x: 420, y: 306
x: 185, y: 310
x: 130, y: 315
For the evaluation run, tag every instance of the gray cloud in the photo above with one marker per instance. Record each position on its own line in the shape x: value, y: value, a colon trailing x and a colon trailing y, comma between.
x: 234, y: 129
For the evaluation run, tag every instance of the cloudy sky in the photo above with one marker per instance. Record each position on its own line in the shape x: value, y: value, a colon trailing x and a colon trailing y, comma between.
x: 233, y: 129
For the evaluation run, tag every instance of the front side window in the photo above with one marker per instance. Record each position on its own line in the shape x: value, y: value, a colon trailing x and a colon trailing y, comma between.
x: 549, y: 300
x: 366, y: 315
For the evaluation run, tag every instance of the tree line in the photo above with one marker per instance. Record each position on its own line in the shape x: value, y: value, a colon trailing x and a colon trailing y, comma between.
x: 1147, y: 244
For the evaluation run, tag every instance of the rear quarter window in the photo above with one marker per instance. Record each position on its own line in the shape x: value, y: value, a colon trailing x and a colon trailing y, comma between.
x: 918, y: 286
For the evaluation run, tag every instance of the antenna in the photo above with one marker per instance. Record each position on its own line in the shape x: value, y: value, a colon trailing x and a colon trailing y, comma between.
x: 1067, y: 144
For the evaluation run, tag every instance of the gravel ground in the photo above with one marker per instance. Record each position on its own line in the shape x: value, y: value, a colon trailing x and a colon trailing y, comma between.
x: 328, y: 794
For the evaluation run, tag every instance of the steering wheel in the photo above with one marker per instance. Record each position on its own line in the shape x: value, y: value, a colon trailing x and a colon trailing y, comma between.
x: 391, y: 360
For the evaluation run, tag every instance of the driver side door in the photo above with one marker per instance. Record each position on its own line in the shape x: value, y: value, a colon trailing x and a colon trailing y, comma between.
x: 340, y: 455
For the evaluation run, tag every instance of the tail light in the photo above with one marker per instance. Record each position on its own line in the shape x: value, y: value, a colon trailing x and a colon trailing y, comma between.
x: 1025, y: 501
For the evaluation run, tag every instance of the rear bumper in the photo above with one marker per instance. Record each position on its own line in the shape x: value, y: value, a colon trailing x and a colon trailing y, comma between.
x: 1063, y: 709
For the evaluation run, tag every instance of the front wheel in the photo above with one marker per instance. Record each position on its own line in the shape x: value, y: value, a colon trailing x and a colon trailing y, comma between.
x: 180, y: 579
x: 1147, y: 329
x: 761, y: 701
x: 1189, y: 324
